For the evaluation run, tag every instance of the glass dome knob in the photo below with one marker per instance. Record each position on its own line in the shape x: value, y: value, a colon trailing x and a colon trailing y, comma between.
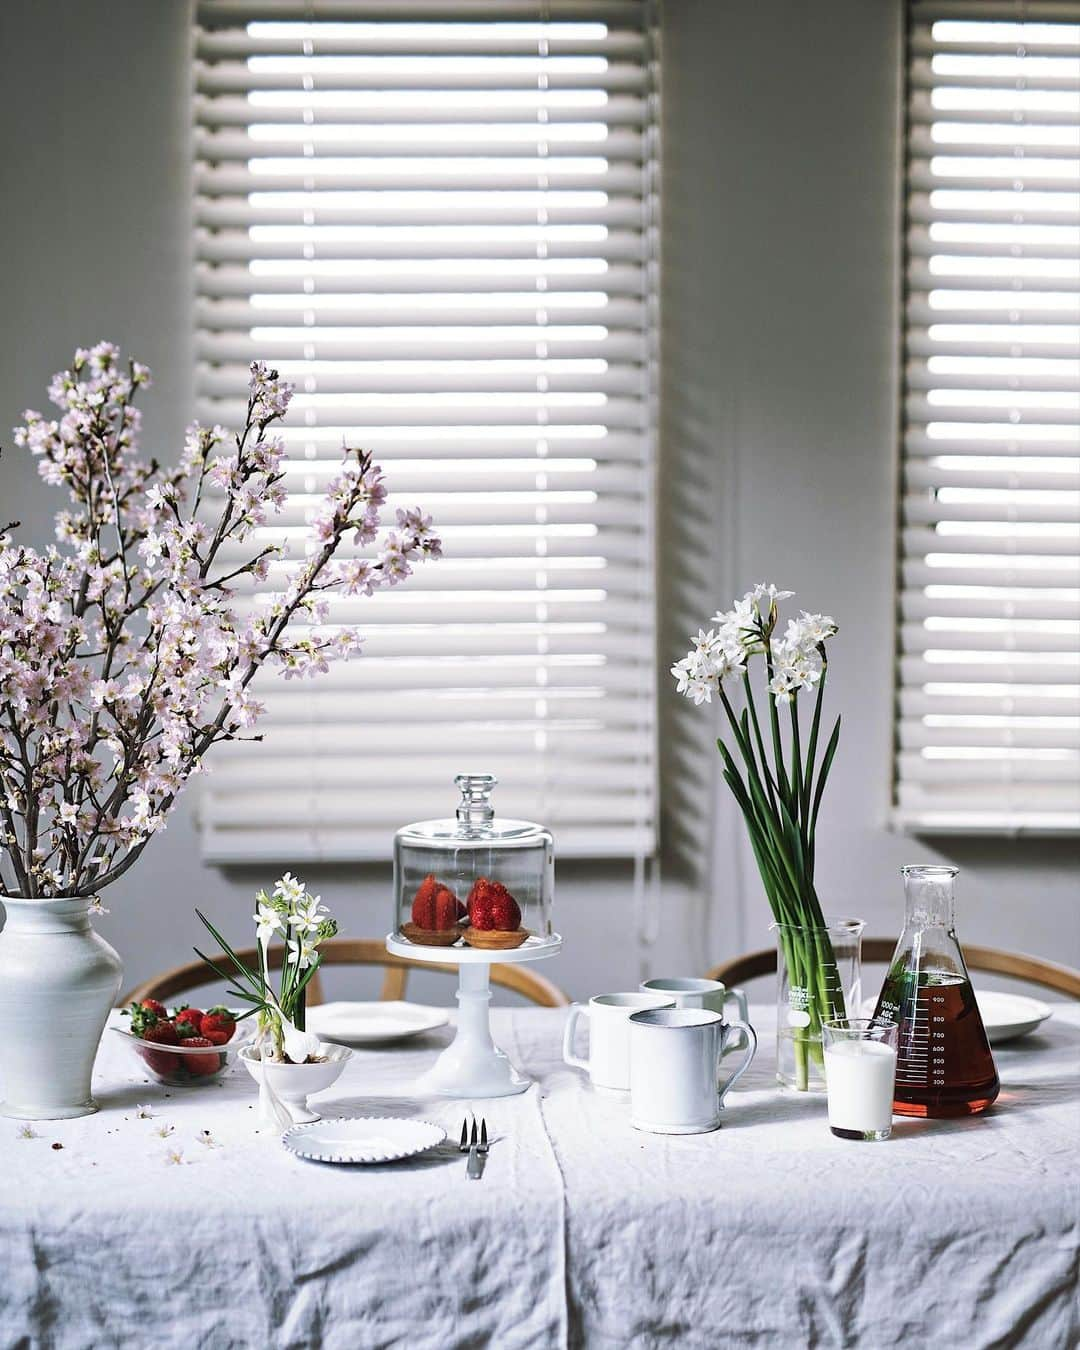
x: 475, y: 789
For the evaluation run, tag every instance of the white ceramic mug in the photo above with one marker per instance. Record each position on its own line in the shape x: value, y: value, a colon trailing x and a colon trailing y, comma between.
x: 694, y: 993
x: 608, y: 1064
x: 675, y: 1068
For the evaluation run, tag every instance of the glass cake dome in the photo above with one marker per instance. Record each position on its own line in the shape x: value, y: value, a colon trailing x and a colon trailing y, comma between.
x: 473, y: 879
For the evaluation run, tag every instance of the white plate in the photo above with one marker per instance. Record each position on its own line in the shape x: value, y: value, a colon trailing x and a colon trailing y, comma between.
x: 374, y: 1023
x: 1005, y: 1016
x: 363, y: 1139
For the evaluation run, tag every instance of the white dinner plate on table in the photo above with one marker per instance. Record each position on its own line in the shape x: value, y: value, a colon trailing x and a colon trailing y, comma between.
x: 1005, y: 1016
x: 362, y: 1139
x: 374, y: 1023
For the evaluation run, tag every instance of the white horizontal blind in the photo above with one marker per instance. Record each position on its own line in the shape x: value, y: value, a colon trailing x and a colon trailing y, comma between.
x: 438, y: 221
x: 989, y: 680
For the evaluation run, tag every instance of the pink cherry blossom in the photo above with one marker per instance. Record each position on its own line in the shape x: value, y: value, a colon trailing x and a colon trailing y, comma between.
x: 132, y: 646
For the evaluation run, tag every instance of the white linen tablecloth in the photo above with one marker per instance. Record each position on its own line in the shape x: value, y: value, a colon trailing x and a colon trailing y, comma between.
x: 583, y: 1232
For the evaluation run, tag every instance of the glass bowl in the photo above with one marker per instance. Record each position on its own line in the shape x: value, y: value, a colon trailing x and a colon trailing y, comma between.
x: 182, y: 1065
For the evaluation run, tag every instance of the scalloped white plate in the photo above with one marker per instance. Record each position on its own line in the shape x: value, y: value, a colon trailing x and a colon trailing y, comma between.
x: 362, y: 1139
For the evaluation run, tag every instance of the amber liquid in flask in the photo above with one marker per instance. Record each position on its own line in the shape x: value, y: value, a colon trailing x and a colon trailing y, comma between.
x: 944, y: 1066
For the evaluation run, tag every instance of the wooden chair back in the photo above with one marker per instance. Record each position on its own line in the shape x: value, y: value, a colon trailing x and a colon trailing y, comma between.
x: 347, y: 952
x: 1032, y: 969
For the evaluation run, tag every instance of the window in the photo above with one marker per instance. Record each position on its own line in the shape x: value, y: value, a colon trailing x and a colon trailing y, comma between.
x: 989, y: 682
x: 437, y: 220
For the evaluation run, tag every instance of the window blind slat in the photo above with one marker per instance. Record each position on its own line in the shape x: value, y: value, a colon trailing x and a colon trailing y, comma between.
x: 988, y: 732
x: 1007, y: 440
x: 1005, y: 733
x: 444, y: 244
x: 344, y: 142
x: 1057, y: 11
x: 433, y: 344
x: 475, y: 209
x: 359, y: 842
x: 400, y: 40
x: 459, y: 279
x: 996, y: 572
x: 212, y: 14
x: 439, y: 221
x: 385, y: 110
x: 449, y: 376
x: 1063, y: 510
x: 381, y: 174
x: 226, y: 78
x: 1002, y: 603
x: 1063, y: 640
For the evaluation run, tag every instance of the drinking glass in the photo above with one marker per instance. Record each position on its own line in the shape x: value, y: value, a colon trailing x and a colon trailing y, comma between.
x: 860, y: 1069
x: 818, y: 976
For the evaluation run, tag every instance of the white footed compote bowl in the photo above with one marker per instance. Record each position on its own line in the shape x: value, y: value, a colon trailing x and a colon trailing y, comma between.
x: 293, y: 1084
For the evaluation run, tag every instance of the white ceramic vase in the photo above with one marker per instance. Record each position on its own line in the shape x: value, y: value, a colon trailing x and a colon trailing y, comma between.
x: 58, y: 980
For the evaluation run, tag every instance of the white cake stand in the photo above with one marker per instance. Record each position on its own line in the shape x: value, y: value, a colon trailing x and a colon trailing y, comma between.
x: 473, y: 1065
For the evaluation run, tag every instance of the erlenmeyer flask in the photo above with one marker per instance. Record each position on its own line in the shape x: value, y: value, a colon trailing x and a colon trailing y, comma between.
x: 944, y: 1066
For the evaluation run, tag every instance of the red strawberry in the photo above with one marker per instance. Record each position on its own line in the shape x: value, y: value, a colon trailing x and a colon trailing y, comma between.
x: 491, y: 906
x: 200, y: 1065
x: 217, y: 1025
x: 447, y: 906
x: 152, y: 1005
x: 423, y: 905
x: 191, y: 1017
x: 435, y: 907
x: 161, y: 1033
x: 144, y: 1019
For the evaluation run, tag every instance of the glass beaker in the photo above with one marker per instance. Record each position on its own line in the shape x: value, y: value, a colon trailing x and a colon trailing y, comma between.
x: 818, y: 976
x: 860, y: 1072
x: 944, y: 1065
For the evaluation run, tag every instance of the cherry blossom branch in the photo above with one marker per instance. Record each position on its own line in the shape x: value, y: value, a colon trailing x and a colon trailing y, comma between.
x: 118, y: 676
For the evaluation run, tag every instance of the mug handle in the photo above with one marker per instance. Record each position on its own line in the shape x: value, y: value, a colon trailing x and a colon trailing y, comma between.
x: 746, y: 1031
x: 739, y: 995
x: 577, y: 1011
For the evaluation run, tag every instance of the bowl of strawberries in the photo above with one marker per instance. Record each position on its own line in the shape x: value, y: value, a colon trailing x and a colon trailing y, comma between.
x: 183, y: 1048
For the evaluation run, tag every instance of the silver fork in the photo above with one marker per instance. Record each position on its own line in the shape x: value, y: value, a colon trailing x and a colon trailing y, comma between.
x: 478, y: 1150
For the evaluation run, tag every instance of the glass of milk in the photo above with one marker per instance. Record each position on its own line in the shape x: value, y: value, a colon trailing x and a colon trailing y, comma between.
x: 860, y: 1069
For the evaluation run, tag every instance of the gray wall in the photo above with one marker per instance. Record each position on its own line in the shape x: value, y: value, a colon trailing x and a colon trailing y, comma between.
x: 780, y: 254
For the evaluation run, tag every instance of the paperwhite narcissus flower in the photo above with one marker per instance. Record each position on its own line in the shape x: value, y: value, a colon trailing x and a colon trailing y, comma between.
x: 688, y: 682
x: 809, y: 630
x: 267, y: 922
x: 794, y: 668
x: 302, y: 951
x: 289, y: 889
x: 307, y: 915
x: 745, y: 631
x: 767, y: 591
